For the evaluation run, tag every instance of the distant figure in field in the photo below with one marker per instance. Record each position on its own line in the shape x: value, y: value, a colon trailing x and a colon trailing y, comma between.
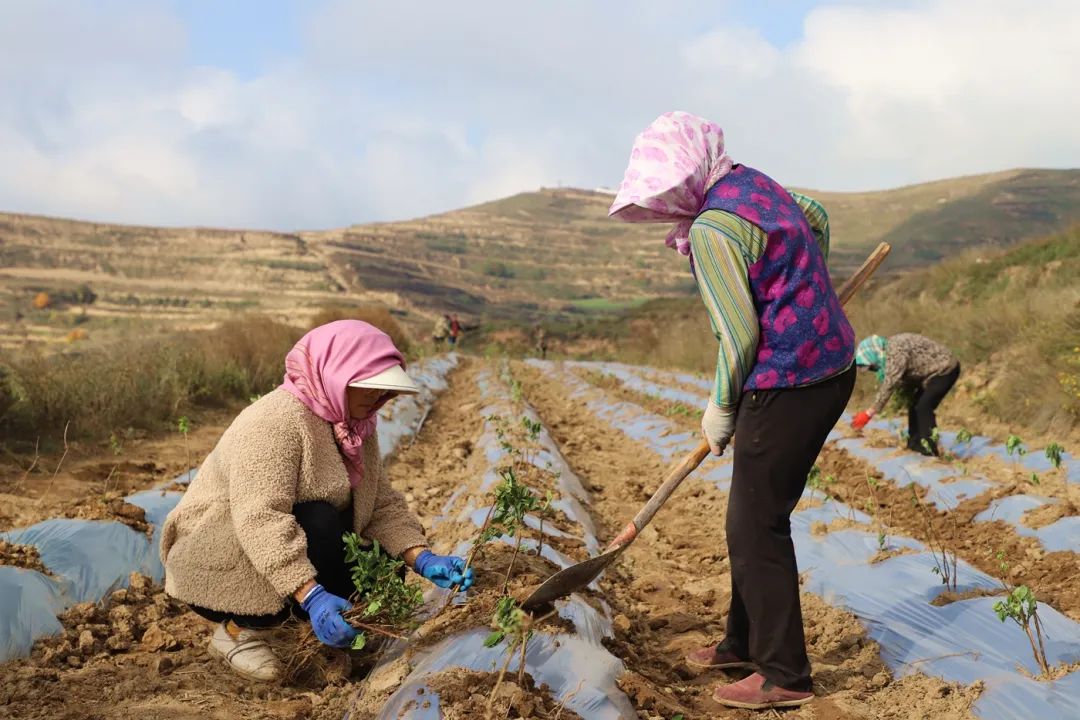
x: 257, y: 536
x: 540, y: 336
x: 455, y: 329
x: 783, y: 376
x: 926, y: 367
x: 442, y: 330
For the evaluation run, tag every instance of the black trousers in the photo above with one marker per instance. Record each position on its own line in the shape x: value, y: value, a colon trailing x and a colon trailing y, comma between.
x: 921, y: 419
x: 324, y: 525
x: 778, y: 435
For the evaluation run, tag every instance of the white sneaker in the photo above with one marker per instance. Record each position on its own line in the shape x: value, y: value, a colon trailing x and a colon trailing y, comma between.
x: 249, y: 655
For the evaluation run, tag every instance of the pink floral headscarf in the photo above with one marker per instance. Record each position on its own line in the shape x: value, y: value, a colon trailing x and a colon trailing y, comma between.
x: 319, y: 369
x: 673, y: 164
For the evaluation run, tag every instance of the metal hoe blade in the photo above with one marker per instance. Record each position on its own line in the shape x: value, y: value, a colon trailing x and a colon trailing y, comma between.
x: 569, y: 580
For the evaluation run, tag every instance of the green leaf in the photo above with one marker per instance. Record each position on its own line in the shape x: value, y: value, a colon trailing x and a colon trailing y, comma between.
x: 1053, y: 454
x: 494, y: 639
x: 359, y: 641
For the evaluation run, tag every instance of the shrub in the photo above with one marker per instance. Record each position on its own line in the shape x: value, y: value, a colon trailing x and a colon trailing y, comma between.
x: 499, y: 269
x: 376, y: 315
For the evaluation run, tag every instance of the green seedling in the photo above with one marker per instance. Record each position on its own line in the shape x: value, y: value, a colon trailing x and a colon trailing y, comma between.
x: 1015, y: 449
x: 513, y: 500
x: 532, y: 428
x: 680, y: 410
x: 1053, y: 454
x: 543, y: 512
x: 183, y: 425
x: 513, y: 625
x: 1021, y: 606
x: 816, y: 482
x: 507, y: 621
x: 383, y: 602
x: 945, y: 560
x: 872, y: 505
x: 964, y: 436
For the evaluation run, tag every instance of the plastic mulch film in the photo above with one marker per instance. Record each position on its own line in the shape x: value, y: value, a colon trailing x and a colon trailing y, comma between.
x: 658, y: 433
x: 89, y: 559
x: 575, y: 666
x: 29, y: 604
x: 1033, y: 460
x: 960, y: 642
x: 1062, y: 534
x: 963, y: 641
x: 635, y: 381
x: 401, y: 418
x: 946, y: 487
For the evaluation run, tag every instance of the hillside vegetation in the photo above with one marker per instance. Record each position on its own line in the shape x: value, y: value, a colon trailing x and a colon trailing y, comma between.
x: 551, y: 255
x: 1012, y: 317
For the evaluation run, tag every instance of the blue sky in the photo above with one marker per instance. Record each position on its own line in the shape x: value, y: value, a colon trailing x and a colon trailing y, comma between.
x: 244, y: 36
x: 290, y: 114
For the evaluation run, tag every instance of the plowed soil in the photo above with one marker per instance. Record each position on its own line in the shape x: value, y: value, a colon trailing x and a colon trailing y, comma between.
x: 140, y: 654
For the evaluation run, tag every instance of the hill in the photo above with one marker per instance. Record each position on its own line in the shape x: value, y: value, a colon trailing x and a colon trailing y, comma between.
x: 551, y: 253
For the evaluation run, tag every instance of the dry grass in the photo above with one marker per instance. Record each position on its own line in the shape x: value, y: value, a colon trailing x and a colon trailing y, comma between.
x: 148, y: 382
x: 140, y: 382
x: 376, y: 315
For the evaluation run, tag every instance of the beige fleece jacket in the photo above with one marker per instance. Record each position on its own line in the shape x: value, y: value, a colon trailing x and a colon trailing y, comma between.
x: 232, y: 544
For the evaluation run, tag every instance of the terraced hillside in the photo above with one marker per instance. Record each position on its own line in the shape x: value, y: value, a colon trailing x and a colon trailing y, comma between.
x: 551, y: 252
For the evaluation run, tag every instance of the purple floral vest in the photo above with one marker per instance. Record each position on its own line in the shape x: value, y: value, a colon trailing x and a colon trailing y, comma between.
x: 805, y: 335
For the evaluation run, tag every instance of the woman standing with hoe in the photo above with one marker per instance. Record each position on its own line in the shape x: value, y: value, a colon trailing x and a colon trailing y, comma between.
x: 784, y: 375
x: 258, y: 535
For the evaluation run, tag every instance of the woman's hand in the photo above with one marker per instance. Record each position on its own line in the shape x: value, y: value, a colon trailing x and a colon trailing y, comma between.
x: 717, y: 427
x: 860, y: 421
x: 325, y: 609
x: 443, y: 570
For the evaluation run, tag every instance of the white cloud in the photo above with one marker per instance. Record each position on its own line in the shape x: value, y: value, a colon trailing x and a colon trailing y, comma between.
x: 393, y: 110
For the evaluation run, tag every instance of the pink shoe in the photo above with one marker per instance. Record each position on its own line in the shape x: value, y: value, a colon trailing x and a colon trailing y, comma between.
x: 717, y: 657
x: 757, y: 693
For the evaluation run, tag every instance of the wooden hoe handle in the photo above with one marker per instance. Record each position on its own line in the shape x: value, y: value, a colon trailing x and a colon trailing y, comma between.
x: 691, y: 461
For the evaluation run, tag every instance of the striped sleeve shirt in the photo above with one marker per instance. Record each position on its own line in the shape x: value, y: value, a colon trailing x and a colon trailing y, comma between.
x: 724, y: 247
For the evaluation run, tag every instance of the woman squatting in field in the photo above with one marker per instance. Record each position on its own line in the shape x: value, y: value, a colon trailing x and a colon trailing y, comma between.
x: 258, y: 535
x: 926, y: 368
x: 783, y: 376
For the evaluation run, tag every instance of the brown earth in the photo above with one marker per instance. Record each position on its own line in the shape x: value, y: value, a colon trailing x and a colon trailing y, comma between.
x: 671, y: 589
x: 142, y: 655
x: 89, y: 481
x: 22, y: 556
x: 465, y: 694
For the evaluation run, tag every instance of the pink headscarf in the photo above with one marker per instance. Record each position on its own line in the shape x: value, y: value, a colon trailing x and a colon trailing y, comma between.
x: 319, y: 369
x: 673, y: 164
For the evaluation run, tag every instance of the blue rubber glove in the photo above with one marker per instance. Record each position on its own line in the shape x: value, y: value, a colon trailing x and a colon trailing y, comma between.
x: 443, y: 570
x: 324, y: 609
